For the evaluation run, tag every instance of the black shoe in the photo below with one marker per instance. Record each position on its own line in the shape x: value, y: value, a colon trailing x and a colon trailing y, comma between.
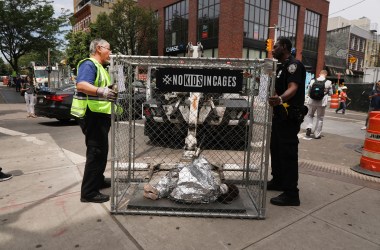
x: 106, y: 183
x: 286, y: 200
x: 308, y: 131
x: 271, y: 186
x: 318, y: 137
x: 5, y: 177
x: 99, y: 198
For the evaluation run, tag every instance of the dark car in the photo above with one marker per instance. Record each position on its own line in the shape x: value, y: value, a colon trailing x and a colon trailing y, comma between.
x: 55, y: 103
x: 138, y: 97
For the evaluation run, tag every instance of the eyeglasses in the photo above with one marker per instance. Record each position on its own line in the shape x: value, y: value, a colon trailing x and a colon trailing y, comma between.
x: 105, y: 48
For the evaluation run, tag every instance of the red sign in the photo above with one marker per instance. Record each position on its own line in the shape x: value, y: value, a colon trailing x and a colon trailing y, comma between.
x: 142, y: 77
x: 204, y: 34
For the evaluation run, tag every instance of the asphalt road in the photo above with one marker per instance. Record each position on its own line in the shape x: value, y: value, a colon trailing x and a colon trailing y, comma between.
x: 69, y: 136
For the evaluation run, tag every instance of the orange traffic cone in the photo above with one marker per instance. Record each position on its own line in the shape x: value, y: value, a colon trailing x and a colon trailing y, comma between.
x: 334, y: 103
x: 370, y: 161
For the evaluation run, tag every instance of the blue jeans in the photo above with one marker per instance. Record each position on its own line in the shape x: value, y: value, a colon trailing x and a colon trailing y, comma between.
x: 342, y: 106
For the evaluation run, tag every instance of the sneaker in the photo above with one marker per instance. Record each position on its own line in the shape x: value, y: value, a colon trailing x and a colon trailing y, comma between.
x: 5, y: 177
x: 33, y: 116
x: 308, y: 131
x: 285, y: 199
x: 364, y: 128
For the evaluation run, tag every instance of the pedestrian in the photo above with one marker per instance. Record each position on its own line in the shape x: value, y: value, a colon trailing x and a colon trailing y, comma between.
x: 288, y: 114
x: 30, y: 96
x: 374, y: 98
x: 317, y: 103
x: 92, y: 106
x: 343, y: 100
x: 4, y: 177
x: 18, y: 83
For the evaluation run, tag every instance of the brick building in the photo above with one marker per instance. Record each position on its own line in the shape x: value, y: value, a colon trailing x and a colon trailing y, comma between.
x: 86, y: 12
x: 240, y: 28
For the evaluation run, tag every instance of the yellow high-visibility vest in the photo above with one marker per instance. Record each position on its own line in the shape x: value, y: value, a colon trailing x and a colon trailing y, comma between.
x: 94, y: 103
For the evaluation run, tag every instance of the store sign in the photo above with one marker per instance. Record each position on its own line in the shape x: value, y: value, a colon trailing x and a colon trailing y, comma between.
x: 175, y: 48
x: 172, y: 49
x: 199, y: 80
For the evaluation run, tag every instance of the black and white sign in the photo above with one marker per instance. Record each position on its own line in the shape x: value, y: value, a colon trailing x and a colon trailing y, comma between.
x: 199, y: 80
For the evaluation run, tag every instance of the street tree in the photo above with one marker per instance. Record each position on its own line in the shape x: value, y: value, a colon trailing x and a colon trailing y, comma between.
x: 4, y: 68
x: 78, y: 47
x: 134, y: 28
x: 28, y: 26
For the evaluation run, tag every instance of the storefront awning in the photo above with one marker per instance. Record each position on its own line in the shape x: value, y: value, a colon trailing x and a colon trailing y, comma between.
x: 334, y: 72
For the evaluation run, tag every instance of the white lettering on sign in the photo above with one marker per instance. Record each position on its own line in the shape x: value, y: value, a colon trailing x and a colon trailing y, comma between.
x: 172, y: 49
x: 191, y: 80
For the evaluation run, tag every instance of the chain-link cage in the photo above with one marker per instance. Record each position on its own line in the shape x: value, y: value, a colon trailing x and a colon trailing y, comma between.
x: 190, y: 136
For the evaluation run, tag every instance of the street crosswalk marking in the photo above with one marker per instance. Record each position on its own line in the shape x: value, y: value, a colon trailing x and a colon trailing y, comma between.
x: 11, y: 132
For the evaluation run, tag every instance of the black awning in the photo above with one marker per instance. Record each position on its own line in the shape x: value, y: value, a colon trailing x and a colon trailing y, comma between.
x: 334, y: 71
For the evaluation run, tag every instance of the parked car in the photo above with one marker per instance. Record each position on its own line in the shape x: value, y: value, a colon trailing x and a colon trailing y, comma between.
x: 138, y: 97
x: 55, y: 103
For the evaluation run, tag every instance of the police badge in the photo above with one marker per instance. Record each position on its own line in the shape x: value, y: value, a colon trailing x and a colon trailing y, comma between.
x: 292, y: 68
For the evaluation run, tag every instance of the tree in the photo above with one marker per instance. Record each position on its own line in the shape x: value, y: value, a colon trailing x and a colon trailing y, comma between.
x: 78, y: 47
x: 27, y: 26
x: 134, y: 28
x: 130, y: 30
x: 4, y: 69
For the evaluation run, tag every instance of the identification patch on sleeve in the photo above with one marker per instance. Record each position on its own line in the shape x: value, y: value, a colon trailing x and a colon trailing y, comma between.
x: 292, y: 68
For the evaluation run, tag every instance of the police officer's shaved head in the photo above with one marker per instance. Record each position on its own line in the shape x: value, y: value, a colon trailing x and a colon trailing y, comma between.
x: 285, y: 42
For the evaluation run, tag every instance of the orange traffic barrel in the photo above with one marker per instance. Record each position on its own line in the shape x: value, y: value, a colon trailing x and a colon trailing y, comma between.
x: 334, y: 103
x: 370, y: 160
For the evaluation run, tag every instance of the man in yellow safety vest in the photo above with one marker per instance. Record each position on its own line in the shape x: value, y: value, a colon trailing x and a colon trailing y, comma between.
x: 92, y: 106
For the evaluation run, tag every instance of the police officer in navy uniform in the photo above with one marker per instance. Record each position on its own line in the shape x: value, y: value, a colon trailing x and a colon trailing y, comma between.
x: 288, y: 113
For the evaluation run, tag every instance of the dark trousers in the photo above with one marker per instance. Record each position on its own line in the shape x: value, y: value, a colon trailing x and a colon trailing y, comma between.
x: 95, y: 127
x: 342, y: 106
x: 284, y: 153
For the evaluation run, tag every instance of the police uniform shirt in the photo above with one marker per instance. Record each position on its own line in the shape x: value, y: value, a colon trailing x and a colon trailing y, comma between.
x: 291, y: 70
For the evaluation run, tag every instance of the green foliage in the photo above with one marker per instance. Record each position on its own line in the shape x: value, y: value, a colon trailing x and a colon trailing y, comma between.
x: 135, y: 28
x: 4, y: 68
x: 78, y: 47
x: 130, y: 30
x: 102, y: 28
x: 28, y: 26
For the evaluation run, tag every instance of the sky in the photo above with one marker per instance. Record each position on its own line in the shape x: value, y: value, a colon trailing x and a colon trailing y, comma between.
x: 358, y: 9
x: 66, y: 4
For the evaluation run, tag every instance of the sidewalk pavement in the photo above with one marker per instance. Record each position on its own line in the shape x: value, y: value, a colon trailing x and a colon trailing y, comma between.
x: 40, y: 207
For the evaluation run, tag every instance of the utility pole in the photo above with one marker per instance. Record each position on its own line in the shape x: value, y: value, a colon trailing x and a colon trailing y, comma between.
x: 49, y: 68
x: 276, y: 29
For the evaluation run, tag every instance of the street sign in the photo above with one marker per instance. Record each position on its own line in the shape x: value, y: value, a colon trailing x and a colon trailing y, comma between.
x: 352, y: 59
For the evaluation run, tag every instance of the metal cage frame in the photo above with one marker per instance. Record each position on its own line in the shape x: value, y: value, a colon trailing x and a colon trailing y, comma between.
x: 136, y: 160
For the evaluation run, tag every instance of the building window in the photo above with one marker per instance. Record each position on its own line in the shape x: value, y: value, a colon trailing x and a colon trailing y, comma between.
x: 358, y: 44
x: 176, y: 23
x: 208, y: 19
x: 353, y: 43
x: 256, y: 19
x: 311, y: 31
x: 287, y: 17
x: 254, y: 54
